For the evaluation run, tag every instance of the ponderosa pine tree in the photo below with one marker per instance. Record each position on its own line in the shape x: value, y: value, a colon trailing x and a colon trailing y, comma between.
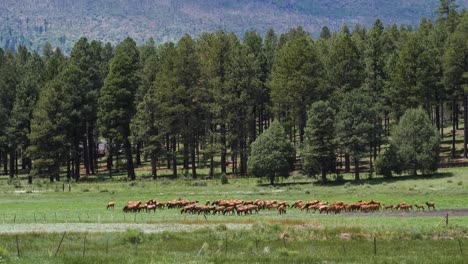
x: 295, y: 80
x: 319, y: 150
x: 353, y: 125
x: 27, y: 95
x: 344, y: 68
x: 245, y: 88
x: 187, y: 66
x: 374, y: 83
x: 455, y: 64
x: 49, y: 127
x: 116, y: 101
x: 215, y: 55
x: 9, y: 80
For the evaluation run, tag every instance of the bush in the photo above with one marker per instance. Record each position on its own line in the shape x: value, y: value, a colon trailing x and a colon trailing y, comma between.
x: 15, y: 181
x: 3, y: 254
x: 387, y: 162
x: 133, y: 236
x: 224, y: 179
x: 339, y: 178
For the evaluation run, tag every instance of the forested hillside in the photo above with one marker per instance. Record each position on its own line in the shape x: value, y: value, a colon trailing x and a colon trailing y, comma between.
x: 63, y: 22
x: 378, y: 95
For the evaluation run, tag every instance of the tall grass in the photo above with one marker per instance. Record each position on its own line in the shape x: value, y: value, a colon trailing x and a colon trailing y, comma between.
x: 271, y: 245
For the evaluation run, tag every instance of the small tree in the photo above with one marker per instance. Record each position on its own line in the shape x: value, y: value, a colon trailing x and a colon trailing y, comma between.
x: 388, y: 162
x: 416, y: 142
x: 272, y: 153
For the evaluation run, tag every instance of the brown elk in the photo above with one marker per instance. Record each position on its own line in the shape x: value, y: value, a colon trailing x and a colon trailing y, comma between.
x: 110, y: 205
x: 429, y: 205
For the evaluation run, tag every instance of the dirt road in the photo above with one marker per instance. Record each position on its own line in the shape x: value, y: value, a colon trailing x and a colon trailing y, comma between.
x: 105, y: 228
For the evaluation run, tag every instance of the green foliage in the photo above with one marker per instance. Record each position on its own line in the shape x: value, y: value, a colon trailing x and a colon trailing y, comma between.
x: 295, y: 78
x: 318, y: 154
x: 387, y: 162
x: 224, y: 179
x: 116, y: 101
x: 416, y: 142
x: 271, y: 154
x: 133, y: 236
x: 344, y: 68
x: 354, y: 123
x: 49, y: 126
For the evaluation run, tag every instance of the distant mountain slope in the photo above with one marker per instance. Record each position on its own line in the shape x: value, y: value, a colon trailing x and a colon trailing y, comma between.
x: 62, y: 22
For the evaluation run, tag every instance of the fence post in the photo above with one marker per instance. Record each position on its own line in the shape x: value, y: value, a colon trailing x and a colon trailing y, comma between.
x: 18, y: 250
x: 60, y: 244
x: 375, y: 246
x: 446, y: 220
x: 84, y: 246
x: 226, y: 246
x: 460, y: 245
x: 136, y: 246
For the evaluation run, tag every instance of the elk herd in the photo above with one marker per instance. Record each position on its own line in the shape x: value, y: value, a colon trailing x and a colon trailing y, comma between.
x: 246, y: 207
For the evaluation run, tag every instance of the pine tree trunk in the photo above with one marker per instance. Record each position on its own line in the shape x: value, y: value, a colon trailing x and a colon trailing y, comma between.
x: 323, y: 169
x: 193, y: 157
x: 174, y: 157
x: 154, y: 161
x: 138, y: 154
x: 454, y: 128
x: 442, y: 121
x: 51, y: 170
x: 128, y: 154
x: 356, y: 169
x: 186, y: 153
x: 109, y: 158
x: 23, y: 161
x: 347, y: 163
x: 437, y: 116
x: 16, y: 162
x: 77, y: 162
x: 12, y: 162
x: 57, y: 171
x: 68, y: 168
x: 5, y: 162
x: 223, y: 148
x: 302, y: 123
x: 168, y: 151
x: 92, y: 150
x: 86, y: 155
x: 465, y: 125
x: 211, y: 166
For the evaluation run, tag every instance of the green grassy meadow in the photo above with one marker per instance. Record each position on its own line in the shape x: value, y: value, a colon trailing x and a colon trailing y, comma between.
x: 297, y: 237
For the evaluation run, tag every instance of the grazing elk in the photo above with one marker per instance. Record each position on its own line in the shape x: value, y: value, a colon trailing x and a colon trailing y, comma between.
x: 419, y: 207
x: 429, y: 205
x: 110, y: 205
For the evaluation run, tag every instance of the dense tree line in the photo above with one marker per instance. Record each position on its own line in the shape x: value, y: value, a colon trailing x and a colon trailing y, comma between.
x: 336, y: 97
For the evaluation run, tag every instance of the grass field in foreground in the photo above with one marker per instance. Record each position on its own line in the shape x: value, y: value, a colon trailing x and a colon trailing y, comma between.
x: 262, y: 244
